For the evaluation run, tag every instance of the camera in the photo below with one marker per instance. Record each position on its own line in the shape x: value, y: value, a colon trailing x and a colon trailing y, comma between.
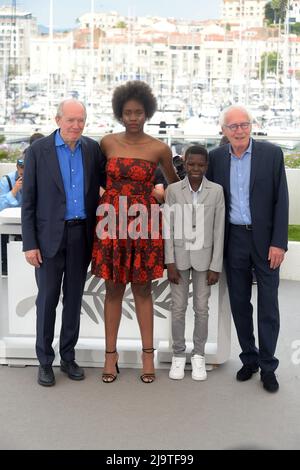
x: 179, y: 166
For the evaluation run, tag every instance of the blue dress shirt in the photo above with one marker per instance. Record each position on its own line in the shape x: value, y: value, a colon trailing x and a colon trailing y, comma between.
x: 71, y: 167
x: 239, y: 213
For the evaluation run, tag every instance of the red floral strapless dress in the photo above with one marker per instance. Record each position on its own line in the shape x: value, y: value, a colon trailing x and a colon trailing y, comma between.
x: 128, y: 244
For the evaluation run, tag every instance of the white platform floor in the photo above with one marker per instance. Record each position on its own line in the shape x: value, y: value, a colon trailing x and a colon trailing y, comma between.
x: 220, y: 413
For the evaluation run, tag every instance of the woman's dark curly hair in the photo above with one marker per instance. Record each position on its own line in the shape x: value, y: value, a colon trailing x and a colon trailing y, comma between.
x: 134, y: 90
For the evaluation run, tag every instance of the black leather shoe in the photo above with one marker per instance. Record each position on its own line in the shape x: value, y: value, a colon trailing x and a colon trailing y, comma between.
x: 72, y: 369
x: 246, y: 372
x: 46, y: 376
x: 269, y: 381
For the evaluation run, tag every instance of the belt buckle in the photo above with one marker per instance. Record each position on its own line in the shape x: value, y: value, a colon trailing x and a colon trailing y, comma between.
x: 248, y: 227
x: 72, y: 222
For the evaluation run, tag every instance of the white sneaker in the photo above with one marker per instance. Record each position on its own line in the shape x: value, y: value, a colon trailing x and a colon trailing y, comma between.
x: 198, y: 367
x: 177, y: 368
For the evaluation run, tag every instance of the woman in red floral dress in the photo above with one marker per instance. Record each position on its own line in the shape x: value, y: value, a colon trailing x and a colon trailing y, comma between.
x: 128, y: 245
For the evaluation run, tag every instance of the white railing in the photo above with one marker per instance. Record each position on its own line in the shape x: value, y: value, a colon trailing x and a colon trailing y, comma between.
x: 169, y: 136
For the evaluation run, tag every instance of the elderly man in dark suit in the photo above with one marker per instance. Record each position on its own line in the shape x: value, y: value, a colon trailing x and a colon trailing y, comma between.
x: 62, y: 177
x: 256, y: 232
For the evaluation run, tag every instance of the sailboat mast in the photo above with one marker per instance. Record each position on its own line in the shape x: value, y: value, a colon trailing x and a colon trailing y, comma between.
x: 92, y: 63
x: 50, y: 62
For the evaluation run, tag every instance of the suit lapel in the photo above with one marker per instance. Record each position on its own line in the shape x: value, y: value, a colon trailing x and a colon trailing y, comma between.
x: 52, y: 162
x: 86, y: 162
x: 205, y: 190
x: 227, y: 171
x: 255, y: 159
x: 186, y: 191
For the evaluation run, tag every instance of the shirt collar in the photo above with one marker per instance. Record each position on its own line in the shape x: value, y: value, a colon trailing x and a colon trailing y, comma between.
x: 59, y: 142
x: 198, y: 190
x: 248, y: 150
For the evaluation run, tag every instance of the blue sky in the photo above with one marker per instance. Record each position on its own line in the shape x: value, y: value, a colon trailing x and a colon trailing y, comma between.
x: 66, y: 11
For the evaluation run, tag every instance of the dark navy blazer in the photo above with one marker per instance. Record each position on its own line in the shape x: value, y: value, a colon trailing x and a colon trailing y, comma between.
x: 268, y: 193
x: 44, y: 199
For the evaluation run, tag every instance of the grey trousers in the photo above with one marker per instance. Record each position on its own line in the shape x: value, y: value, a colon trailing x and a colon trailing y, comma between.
x: 180, y: 296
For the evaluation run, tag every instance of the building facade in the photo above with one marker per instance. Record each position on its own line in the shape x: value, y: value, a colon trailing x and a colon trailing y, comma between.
x: 16, y: 29
x: 248, y: 13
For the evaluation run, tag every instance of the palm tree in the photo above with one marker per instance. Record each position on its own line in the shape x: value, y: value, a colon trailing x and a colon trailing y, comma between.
x: 275, y: 11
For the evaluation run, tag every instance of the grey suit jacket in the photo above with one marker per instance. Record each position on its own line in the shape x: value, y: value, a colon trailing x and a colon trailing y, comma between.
x: 194, y: 235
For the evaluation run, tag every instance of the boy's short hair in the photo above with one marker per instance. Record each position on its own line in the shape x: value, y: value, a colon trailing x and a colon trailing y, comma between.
x: 196, y: 150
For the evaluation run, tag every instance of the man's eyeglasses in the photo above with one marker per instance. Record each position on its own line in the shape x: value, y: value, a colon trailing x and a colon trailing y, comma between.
x: 20, y: 162
x: 243, y: 125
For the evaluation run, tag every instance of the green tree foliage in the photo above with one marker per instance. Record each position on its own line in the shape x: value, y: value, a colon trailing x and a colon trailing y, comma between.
x: 294, y: 233
x: 121, y: 24
x: 292, y: 161
x: 268, y: 63
x: 7, y: 152
x: 275, y: 11
x: 295, y: 29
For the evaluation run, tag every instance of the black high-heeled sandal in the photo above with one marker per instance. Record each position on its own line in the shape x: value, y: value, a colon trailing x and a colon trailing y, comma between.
x: 109, y: 378
x: 148, y: 378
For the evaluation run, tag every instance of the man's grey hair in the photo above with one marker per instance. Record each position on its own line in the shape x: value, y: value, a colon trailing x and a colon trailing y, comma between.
x: 60, y: 110
x: 231, y: 108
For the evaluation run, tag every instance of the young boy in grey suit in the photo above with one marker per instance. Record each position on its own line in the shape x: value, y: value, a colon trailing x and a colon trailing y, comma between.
x: 194, y: 216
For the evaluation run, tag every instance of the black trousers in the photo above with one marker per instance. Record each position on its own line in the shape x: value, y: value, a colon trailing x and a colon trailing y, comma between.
x: 241, y: 257
x: 66, y: 270
x: 4, y: 241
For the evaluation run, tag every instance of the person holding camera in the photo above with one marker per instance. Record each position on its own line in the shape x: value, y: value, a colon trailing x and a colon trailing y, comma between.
x: 10, y: 196
x: 179, y: 165
x: 11, y: 184
x: 11, y: 187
